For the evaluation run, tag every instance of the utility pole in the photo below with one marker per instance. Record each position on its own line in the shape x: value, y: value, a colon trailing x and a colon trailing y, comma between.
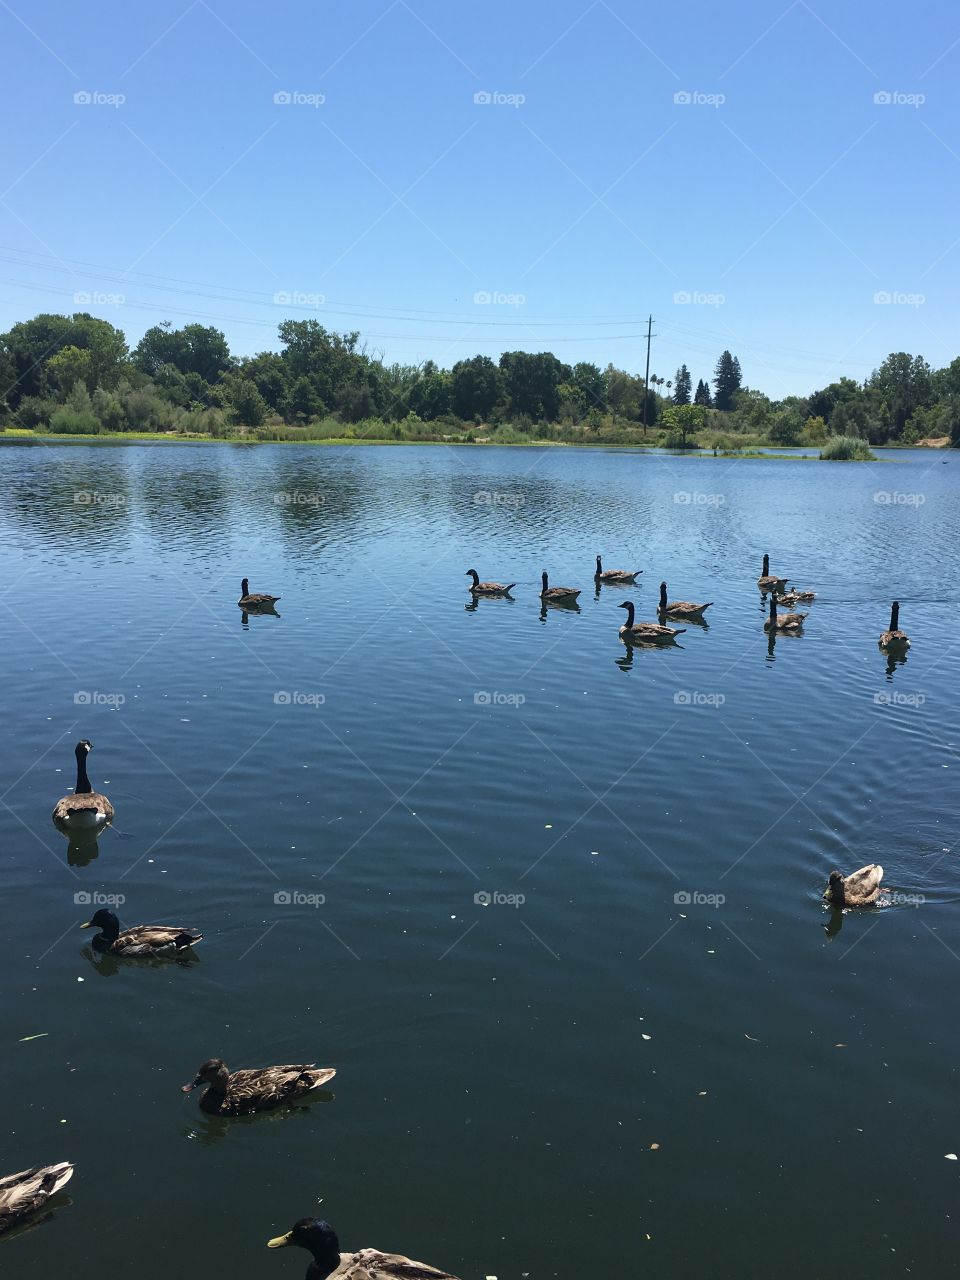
x: 646, y: 376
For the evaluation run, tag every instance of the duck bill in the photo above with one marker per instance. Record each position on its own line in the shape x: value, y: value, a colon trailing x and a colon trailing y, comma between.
x: 280, y: 1242
x: 88, y: 925
x: 189, y: 1088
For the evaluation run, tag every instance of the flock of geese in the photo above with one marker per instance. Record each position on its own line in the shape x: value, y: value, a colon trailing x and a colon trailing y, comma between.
x: 28, y: 1193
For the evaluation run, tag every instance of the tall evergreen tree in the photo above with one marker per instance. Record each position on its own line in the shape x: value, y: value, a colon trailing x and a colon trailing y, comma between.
x: 726, y: 379
x: 681, y: 385
x: 702, y: 394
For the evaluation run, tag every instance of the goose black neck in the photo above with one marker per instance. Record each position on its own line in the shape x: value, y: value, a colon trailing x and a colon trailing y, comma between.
x: 895, y: 616
x: 244, y: 588
x: 543, y: 579
x: 599, y: 567
x: 766, y: 566
x: 628, y: 605
x: 472, y: 573
x: 83, y: 787
x: 773, y: 608
x: 663, y: 594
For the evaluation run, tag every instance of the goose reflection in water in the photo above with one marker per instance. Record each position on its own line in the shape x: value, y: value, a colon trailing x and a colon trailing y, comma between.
x: 82, y: 846
x: 475, y: 601
x: 561, y: 606
x: 265, y: 612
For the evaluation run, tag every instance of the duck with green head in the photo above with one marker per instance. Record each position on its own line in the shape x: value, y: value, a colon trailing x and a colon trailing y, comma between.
x: 320, y: 1240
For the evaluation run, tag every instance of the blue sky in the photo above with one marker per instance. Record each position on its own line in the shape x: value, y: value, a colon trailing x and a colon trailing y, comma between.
x: 765, y: 214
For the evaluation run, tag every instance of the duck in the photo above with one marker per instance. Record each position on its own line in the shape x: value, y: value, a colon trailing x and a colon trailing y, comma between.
x: 894, y: 638
x: 680, y: 608
x: 241, y: 1093
x: 790, y: 598
x: 488, y: 588
x: 645, y: 632
x: 784, y: 621
x: 615, y: 575
x: 768, y: 581
x: 86, y: 807
x: 320, y: 1239
x: 24, y: 1193
x: 556, y: 593
x: 859, y: 889
x: 257, y: 600
x: 139, y: 939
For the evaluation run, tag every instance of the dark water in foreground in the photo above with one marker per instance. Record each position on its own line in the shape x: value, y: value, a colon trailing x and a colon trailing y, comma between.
x: 505, y: 1071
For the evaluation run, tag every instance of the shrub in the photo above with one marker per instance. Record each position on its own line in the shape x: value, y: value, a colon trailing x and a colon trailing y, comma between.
x: 847, y: 449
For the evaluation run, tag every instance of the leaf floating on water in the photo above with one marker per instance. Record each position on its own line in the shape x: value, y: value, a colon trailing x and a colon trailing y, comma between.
x: 753, y: 1038
x: 38, y: 1036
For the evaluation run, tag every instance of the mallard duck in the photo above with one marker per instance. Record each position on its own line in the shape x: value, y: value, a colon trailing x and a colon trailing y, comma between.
x: 24, y: 1193
x: 680, y: 608
x: 895, y: 638
x: 860, y: 889
x: 244, y: 1092
x: 86, y: 807
x: 783, y: 621
x: 139, y: 939
x: 615, y: 575
x: 645, y: 632
x: 255, y: 601
x: 768, y: 581
x: 320, y: 1239
x: 487, y: 588
x: 556, y: 593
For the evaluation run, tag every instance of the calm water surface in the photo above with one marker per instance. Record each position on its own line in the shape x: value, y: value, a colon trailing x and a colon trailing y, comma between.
x: 504, y: 1071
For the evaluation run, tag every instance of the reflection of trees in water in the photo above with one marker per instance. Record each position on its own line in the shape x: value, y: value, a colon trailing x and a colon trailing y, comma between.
x: 69, y: 499
x: 185, y: 505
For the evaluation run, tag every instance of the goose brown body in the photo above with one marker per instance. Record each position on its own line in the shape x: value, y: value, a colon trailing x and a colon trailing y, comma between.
x: 894, y: 638
x: 320, y: 1239
x: 615, y: 575
x: 769, y: 581
x: 859, y: 889
x: 790, y: 622
x: 645, y: 632
x: 251, y: 601
x: 479, y: 588
x: 85, y: 807
x: 140, y: 939
x: 25, y: 1193
x: 549, y: 593
x: 680, y: 608
x: 242, y: 1093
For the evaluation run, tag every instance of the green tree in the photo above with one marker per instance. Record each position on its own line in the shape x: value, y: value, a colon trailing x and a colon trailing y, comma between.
x: 682, y: 383
x: 195, y: 348
x: 531, y: 382
x: 726, y: 379
x: 475, y: 387
x: 249, y: 406
x: 682, y: 421
x: 702, y: 395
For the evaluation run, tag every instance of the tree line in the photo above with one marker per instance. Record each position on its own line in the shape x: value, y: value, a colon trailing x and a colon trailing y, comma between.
x: 77, y: 375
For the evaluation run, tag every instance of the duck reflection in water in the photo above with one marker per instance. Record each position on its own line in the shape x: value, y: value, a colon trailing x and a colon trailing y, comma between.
x: 210, y: 1129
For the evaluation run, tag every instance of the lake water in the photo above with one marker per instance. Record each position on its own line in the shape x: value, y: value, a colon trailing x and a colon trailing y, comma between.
x: 646, y: 1046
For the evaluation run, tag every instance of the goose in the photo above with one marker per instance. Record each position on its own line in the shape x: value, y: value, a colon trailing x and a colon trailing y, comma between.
x: 556, y: 593
x: 320, y: 1239
x: 255, y: 601
x: 645, y: 632
x: 487, y: 588
x: 139, y: 939
x: 790, y: 598
x: 791, y: 622
x: 859, y: 889
x: 244, y: 1092
x: 615, y: 575
x: 86, y: 807
x: 24, y: 1193
x: 895, y: 638
x: 768, y: 581
x: 680, y: 608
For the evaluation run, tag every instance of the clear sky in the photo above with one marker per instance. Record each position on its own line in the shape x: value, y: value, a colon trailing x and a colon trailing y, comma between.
x: 809, y: 165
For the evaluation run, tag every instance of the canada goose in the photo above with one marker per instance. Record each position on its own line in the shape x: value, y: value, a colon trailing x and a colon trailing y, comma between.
x: 894, y: 638
x: 255, y: 601
x: 645, y: 632
x: 615, y: 575
x: 24, y: 1193
x: 487, y: 588
x: 139, y: 939
x: 244, y: 1092
x: 680, y: 608
x: 860, y: 889
x: 86, y: 807
x: 768, y: 581
x: 320, y: 1239
x: 791, y: 622
x: 556, y: 593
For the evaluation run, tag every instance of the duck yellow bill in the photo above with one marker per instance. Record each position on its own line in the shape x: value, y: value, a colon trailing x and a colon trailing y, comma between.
x: 88, y: 925
x: 280, y: 1242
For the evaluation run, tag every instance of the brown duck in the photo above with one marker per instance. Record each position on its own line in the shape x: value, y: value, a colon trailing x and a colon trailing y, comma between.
x: 244, y: 1092
x: 139, y: 939
x: 320, y: 1239
x: 25, y: 1193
